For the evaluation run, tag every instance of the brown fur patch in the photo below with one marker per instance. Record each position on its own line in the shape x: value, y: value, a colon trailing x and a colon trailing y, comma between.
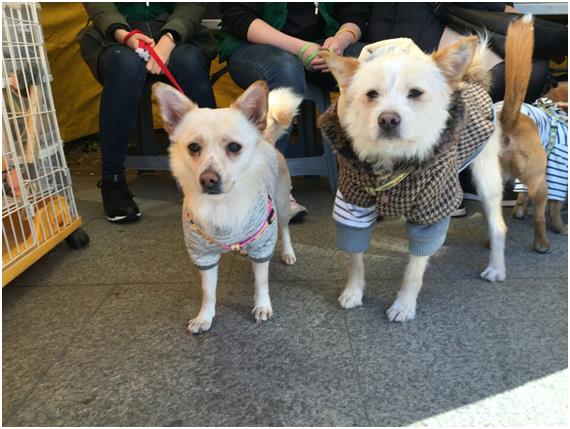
x: 559, y: 94
x: 342, y: 68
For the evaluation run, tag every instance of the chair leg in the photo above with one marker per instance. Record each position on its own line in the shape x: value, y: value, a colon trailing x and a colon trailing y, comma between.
x: 332, y: 168
x: 308, y: 131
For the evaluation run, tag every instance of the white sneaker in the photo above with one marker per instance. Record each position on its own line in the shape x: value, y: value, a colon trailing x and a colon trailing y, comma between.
x: 297, y: 211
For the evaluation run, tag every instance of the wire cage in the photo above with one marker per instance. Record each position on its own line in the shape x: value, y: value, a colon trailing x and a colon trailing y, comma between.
x: 38, y: 206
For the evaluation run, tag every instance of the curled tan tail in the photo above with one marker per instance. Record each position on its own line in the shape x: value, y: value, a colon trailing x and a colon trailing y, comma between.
x: 518, y: 66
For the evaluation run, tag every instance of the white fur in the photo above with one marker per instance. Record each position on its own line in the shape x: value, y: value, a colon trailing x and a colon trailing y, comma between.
x: 241, y: 176
x: 392, y: 74
x: 352, y: 294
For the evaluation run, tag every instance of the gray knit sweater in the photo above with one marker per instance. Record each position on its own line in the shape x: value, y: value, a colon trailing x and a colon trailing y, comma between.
x: 205, y: 254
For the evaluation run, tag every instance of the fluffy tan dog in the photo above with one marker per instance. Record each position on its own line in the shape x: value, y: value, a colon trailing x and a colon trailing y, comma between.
x: 523, y: 155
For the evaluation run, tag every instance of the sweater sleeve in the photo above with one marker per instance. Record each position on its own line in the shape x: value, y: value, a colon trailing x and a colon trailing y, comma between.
x: 237, y: 17
x: 185, y: 21
x: 106, y: 18
x: 355, y: 13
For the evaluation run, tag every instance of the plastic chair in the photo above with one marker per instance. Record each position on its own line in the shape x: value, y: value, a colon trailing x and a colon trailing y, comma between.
x: 321, y: 165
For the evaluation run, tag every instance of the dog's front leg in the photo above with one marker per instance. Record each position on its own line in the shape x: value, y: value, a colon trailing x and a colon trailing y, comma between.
x: 352, y: 294
x: 203, y: 321
x: 404, y: 308
x: 262, y: 310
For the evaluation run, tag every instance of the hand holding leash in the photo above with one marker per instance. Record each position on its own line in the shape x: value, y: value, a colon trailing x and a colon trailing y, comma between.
x: 131, y: 39
x: 163, y: 49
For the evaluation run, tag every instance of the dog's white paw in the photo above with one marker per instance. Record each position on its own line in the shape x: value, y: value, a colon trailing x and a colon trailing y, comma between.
x: 350, y: 298
x: 288, y: 258
x: 403, y: 310
x: 262, y: 314
x: 197, y: 325
x: 493, y: 274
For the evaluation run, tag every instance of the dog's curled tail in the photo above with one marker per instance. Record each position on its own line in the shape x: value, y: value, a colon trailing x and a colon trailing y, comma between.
x: 283, y: 106
x: 518, y: 66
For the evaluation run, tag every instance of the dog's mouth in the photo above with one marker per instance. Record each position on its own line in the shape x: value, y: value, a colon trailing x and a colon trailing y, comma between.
x: 389, y: 135
x: 212, y: 191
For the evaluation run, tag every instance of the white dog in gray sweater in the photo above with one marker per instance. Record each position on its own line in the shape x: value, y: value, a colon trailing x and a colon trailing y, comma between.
x: 236, y: 184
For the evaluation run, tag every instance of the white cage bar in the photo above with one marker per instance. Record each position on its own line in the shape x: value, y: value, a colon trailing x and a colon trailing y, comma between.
x: 38, y: 206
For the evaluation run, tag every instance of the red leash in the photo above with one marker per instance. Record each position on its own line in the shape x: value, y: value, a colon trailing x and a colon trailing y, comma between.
x: 148, y: 48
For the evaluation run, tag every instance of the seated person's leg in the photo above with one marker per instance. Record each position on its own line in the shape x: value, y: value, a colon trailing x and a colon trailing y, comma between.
x: 536, y: 83
x: 251, y: 62
x: 122, y: 74
x: 191, y: 69
x: 279, y: 68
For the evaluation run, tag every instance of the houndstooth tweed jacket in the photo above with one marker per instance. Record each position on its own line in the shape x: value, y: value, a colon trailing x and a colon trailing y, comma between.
x: 431, y: 189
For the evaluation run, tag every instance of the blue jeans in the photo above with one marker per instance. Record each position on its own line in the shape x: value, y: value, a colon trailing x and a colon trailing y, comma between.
x: 251, y: 62
x: 123, y: 75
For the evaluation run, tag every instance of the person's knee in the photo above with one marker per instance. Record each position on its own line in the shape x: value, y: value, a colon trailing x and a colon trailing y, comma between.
x: 278, y: 67
x: 289, y: 70
x: 126, y: 64
x: 188, y: 58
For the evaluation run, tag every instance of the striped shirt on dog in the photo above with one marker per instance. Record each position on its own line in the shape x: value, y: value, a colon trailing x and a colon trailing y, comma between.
x: 557, y: 162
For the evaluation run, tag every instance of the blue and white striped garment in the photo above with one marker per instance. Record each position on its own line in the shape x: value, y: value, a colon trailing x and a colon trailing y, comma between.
x: 348, y: 214
x: 557, y: 163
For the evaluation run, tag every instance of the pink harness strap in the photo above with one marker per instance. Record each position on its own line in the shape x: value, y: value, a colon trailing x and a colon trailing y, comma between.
x: 239, y: 246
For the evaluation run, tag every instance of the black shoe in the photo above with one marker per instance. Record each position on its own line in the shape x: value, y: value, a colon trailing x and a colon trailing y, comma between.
x: 117, y: 199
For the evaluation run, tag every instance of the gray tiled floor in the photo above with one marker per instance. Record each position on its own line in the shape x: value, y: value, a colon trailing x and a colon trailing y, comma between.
x: 97, y: 336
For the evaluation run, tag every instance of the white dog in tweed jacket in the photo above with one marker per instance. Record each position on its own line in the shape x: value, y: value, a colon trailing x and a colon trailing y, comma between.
x: 402, y: 129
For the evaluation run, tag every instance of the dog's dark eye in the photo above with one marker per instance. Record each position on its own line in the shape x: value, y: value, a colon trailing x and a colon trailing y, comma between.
x: 194, y: 148
x: 234, y: 147
x: 415, y: 93
x: 372, y: 94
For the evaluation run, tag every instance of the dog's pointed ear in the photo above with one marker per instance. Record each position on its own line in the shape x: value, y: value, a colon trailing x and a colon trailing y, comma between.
x: 455, y: 59
x: 173, y: 105
x: 342, y: 68
x: 253, y: 103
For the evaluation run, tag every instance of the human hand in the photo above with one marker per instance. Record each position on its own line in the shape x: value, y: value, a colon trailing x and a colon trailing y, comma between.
x: 339, y: 42
x: 163, y: 49
x: 307, y: 53
x: 562, y: 105
x: 133, y: 41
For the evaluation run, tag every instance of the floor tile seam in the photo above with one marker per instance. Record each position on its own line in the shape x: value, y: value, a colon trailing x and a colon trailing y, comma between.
x: 355, y: 369
x: 59, y: 357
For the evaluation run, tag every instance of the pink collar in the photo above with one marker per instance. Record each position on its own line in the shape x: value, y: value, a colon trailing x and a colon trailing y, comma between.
x: 239, y: 246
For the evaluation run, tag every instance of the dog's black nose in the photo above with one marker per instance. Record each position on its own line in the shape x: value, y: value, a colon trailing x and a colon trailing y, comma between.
x: 210, y: 181
x: 388, y: 120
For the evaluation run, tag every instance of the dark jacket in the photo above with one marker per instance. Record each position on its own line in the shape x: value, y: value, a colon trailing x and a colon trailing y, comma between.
x: 237, y: 17
x: 182, y: 20
x: 416, y: 21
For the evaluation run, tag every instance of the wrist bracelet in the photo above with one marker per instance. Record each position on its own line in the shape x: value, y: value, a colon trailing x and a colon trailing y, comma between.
x: 129, y: 35
x: 350, y: 31
x: 311, y: 56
